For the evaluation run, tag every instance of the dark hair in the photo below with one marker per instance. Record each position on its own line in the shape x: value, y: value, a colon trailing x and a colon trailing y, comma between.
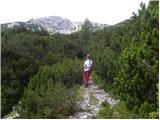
x: 88, y: 56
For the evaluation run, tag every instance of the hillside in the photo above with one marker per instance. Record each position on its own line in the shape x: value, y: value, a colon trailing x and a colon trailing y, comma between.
x: 42, y: 74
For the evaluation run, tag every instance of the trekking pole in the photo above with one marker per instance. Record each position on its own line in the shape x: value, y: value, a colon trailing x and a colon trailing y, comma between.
x: 83, y: 78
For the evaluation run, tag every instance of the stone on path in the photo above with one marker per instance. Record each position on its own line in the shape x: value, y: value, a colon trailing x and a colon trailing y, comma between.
x: 91, y: 110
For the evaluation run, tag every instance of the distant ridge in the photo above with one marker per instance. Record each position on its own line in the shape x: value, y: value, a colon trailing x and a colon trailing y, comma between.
x: 51, y: 24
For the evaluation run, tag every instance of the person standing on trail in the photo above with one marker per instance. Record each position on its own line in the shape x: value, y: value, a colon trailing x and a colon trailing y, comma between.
x: 88, y: 65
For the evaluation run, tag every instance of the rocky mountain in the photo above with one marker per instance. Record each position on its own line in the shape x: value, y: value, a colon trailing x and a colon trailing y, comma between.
x: 52, y: 24
x: 55, y: 24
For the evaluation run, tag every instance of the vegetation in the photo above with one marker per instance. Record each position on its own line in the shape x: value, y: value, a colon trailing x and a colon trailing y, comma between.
x: 50, y: 93
x: 23, y: 53
x: 126, y: 57
x: 44, y: 72
x: 119, y: 111
x: 93, y: 100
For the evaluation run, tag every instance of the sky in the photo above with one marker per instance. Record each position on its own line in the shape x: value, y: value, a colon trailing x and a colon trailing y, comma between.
x: 100, y: 11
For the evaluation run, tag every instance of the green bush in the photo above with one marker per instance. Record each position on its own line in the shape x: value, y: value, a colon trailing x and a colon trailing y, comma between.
x: 106, y: 112
x: 136, y: 81
x: 122, y: 112
x: 54, y: 101
x: 119, y: 111
x: 105, y: 63
x: 52, y: 93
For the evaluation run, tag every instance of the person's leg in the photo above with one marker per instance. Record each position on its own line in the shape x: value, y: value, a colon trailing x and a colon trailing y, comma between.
x: 85, y: 78
x: 88, y: 74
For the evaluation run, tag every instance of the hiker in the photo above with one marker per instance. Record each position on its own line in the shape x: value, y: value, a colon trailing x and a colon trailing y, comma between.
x: 88, y: 65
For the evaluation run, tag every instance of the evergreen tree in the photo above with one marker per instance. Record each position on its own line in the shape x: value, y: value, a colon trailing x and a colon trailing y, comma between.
x: 86, y: 35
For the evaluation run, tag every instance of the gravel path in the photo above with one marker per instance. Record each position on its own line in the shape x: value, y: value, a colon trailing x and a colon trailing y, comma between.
x: 91, y: 109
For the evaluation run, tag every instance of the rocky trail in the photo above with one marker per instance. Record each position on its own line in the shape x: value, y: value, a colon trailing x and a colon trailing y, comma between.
x: 91, y: 104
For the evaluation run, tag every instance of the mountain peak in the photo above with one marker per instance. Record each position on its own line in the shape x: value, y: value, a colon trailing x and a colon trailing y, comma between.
x: 56, y: 24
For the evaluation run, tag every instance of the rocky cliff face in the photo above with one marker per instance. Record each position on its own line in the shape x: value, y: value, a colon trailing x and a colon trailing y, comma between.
x: 55, y: 24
